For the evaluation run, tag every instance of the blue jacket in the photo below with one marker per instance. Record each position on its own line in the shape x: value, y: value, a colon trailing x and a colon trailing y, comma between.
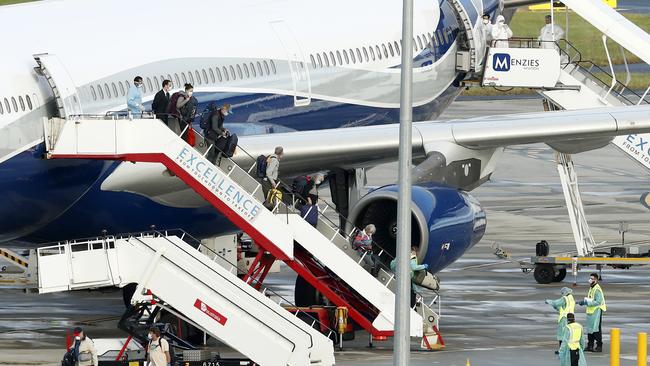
x: 134, y: 99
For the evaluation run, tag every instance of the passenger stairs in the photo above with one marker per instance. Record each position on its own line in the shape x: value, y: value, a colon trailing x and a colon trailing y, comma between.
x: 322, y: 255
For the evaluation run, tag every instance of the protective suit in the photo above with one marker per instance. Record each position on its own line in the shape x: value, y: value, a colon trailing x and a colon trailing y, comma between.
x: 573, y: 339
x: 501, y: 32
x: 546, y: 35
x: 134, y: 100
x: 486, y: 28
x: 595, y: 303
x: 564, y: 305
x: 414, y: 267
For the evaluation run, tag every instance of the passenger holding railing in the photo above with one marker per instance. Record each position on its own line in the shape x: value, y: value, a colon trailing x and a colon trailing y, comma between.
x: 215, y: 131
x: 363, y: 245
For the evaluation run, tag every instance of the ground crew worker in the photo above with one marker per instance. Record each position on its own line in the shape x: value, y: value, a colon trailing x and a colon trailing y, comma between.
x: 158, y: 354
x: 84, y: 349
x: 134, y: 97
x: 564, y: 305
x: 414, y: 267
x: 573, y: 343
x: 595, y: 303
x: 501, y: 33
x: 549, y: 34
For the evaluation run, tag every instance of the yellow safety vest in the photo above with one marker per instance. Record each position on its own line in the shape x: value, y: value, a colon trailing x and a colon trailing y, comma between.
x: 570, y: 306
x: 575, y: 336
x: 591, y: 294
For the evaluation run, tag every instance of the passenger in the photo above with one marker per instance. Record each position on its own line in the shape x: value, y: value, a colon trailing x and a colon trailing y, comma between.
x: 270, y: 180
x: 215, y: 130
x: 501, y: 33
x: 161, y: 101
x: 316, y: 180
x: 549, y: 34
x: 573, y: 343
x: 564, y: 305
x: 363, y: 245
x: 487, y: 29
x: 158, y: 349
x: 177, y: 111
x: 134, y: 97
x: 595, y: 303
x: 84, y: 349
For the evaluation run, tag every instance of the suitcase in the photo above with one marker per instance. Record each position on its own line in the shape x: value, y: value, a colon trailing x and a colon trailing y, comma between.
x: 231, y: 145
x: 542, y: 248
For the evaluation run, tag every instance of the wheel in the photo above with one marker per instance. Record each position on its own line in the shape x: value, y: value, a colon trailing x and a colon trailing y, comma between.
x: 544, y: 273
x: 561, y: 274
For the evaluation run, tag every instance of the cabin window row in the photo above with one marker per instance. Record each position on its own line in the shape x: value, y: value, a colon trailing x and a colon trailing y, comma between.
x: 16, y: 104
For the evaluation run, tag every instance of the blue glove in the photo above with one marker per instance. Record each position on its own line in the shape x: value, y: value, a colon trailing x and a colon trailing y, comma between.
x: 582, y: 303
x: 426, y: 266
x: 547, y: 302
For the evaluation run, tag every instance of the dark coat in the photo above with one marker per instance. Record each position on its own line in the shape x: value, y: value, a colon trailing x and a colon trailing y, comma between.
x: 160, y: 104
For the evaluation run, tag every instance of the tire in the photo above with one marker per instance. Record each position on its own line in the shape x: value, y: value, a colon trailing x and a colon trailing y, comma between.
x: 561, y: 274
x: 544, y: 274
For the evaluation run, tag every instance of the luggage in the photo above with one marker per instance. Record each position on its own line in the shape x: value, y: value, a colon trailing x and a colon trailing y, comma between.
x: 69, y: 358
x: 542, y: 248
x: 227, y: 144
x: 190, y: 137
x: 171, y: 108
x: 310, y: 214
x: 260, y: 164
x: 206, y: 116
x: 272, y: 198
x: 301, y: 186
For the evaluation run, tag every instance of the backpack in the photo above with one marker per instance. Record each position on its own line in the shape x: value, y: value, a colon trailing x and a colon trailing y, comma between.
x: 206, y: 116
x: 261, y: 163
x: 171, y: 108
x: 310, y: 214
x: 301, y: 186
x: 68, y: 358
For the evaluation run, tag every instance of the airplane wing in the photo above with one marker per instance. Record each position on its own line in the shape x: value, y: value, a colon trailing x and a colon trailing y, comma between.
x: 452, y: 145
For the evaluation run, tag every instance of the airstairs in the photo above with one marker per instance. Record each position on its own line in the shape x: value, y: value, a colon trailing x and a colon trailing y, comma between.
x: 321, y: 255
x: 173, y: 272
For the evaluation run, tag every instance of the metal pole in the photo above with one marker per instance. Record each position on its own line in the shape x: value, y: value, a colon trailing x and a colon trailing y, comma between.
x: 402, y: 340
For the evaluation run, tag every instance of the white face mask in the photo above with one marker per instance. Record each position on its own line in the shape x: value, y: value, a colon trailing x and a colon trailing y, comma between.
x: 149, y: 336
x: 225, y: 113
x: 77, y: 338
x: 485, y: 21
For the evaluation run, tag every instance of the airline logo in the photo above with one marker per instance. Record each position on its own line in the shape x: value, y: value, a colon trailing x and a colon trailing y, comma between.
x: 504, y: 61
x: 501, y: 62
x: 207, y: 310
x: 218, y: 183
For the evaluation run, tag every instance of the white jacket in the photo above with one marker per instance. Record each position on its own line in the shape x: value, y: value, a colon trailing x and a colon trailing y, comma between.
x: 546, y: 35
x: 500, y: 33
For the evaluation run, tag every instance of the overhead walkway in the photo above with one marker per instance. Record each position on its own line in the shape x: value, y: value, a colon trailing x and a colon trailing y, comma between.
x: 209, y: 295
x: 238, y: 196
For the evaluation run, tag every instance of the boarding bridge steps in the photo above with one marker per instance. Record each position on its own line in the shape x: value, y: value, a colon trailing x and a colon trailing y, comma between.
x: 236, y: 194
x: 170, y: 270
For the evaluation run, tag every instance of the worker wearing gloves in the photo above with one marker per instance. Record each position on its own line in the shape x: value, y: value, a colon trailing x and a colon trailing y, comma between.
x: 573, y: 343
x: 595, y: 303
x: 414, y: 267
x: 549, y: 34
x: 501, y: 32
x: 564, y: 305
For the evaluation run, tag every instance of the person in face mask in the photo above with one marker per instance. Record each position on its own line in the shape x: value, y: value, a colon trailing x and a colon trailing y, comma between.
x: 181, y: 109
x: 501, y: 33
x: 486, y: 26
x: 134, y: 97
x: 158, y: 349
x: 595, y: 303
x: 549, y: 34
x: 84, y: 349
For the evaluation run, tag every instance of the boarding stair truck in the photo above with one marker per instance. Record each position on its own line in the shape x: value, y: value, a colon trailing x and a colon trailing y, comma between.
x: 566, y: 81
x: 321, y: 255
x: 177, y: 277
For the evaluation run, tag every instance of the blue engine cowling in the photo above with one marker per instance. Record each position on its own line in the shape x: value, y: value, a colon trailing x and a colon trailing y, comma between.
x: 445, y: 222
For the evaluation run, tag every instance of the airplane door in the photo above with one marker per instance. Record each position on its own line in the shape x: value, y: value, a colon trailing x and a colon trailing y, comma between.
x: 297, y: 64
x: 64, y: 89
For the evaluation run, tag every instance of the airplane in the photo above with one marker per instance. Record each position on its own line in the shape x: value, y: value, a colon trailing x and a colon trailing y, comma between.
x: 320, y: 79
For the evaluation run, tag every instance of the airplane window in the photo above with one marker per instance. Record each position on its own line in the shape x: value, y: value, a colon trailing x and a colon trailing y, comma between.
x: 440, y: 38
x: 253, y: 70
x: 345, y: 56
x: 372, y: 53
x: 327, y: 60
x: 92, y: 90
x: 108, y: 91
x: 190, y: 77
x: 332, y: 58
x: 100, y: 91
x: 114, y: 89
x: 239, y: 73
x: 313, y: 62
x: 320, y: 60
x: 184, y: 78
x: 396, y: 48
x: 178, y: 81
x: 29, y: 102
x: 390, y: 48
x: 149, y: 84
x: 338, y: 57
x: 212, y: 76
x: 232, y: 73
x: 128, y: 85
x: 22, y: 103
x: 198, y: 77
x: 266, y: 68
x: 383, y: 47
x: 2, y: 111
x: 219, y: 76
x: 378, y: 52
x: 365, y: 54
x: 121, y: 89
x: 259, y: 68
x: 8, y: 108
x: 419, y: 42
x: 155, y: 82
x: 246, y: 72
x: 225, y: 74
x: 354, y: 61
x: 430, y: 39
x: 273, y: 67
x: 359, y: 55
x: 13, y: 102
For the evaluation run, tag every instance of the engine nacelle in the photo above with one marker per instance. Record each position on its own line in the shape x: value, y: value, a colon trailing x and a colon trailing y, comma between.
x: 445, y: 222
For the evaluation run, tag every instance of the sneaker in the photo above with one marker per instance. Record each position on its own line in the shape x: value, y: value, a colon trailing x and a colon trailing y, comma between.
x: 557, y: 352
x: 598, y: 349
x: 589, y: 349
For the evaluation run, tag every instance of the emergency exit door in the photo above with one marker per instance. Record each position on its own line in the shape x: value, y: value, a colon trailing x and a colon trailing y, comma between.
x: 297, y: 64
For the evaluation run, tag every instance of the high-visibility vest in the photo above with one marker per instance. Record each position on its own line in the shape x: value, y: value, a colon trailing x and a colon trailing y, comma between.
x: 569, y: 307
x: 575, y: 336
x: 591, y: 294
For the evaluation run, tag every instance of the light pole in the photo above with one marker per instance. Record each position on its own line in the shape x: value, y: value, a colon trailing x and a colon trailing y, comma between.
x: 402, y: 340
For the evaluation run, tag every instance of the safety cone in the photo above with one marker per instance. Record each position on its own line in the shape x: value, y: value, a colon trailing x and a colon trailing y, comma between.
x: 468, y: 364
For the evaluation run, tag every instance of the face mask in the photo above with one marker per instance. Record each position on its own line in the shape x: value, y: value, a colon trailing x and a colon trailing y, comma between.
x: 485, y: 21
x: 77, y: 338
x: 225, y: 113
x: 190, y: 93
x: 149, y: 336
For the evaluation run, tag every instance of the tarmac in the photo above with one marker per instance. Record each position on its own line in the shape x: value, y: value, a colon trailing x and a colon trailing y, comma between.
x: 492, y: 313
